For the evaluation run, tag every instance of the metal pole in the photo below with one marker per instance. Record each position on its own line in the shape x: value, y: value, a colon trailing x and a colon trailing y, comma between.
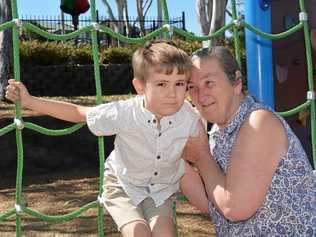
x: 259, y: 51
x: 183, y: 20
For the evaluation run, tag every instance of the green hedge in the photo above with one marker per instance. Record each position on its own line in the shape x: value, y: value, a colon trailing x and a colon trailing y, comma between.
x: 57, y: 53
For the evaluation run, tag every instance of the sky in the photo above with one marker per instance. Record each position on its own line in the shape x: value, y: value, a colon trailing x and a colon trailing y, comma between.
x: 175, y: 9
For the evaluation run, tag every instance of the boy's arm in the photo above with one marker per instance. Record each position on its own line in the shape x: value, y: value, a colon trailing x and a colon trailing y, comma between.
x: 58, y: 109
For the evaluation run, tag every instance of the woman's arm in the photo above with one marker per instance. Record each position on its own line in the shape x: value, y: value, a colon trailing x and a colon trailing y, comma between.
x: 259, y: 147
x: 58, y: 109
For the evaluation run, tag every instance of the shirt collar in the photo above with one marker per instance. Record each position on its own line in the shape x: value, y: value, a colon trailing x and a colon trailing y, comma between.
x: 150, y: 119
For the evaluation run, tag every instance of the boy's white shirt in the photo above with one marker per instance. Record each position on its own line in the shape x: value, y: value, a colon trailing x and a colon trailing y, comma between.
x: 146, y: 161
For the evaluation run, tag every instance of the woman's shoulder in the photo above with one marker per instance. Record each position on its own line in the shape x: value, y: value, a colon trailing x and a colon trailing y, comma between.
x: 263, y: 119
x: 265, y: 132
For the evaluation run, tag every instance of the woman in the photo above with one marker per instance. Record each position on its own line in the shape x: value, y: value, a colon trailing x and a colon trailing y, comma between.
x: 256, y: 173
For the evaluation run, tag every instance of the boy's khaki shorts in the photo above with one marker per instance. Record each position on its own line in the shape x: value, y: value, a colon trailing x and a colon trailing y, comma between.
x: 123, y: 211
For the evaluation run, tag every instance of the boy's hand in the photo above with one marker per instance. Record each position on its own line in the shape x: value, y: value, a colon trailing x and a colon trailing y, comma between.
x: 16, y: 90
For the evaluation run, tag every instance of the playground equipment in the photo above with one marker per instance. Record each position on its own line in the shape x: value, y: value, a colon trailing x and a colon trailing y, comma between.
x: 74, y: 8
x: 259, y: 50
x: 18, y: 125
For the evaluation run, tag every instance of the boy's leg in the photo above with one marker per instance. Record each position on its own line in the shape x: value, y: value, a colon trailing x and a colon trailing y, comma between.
x: 139, y: 228
x: 192, y: 187
x: 162, y: 226
x: 160, y: 218
x: 129, y: 218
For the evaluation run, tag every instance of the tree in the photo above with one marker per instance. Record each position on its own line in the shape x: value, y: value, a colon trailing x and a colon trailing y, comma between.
x: 121, y: 24
x: 121, y: 9
x: 5, y: 46
x: 211, y: 15
x: 142, y: 9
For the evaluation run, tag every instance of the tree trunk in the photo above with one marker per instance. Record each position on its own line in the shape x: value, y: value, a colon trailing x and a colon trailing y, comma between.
x: 142, y: 9
x: 204, y: 15
x: 5, y: 46
x: 159, y: 14
x: 120, y: 11
x: 127, y: 23
x: 218, y: 19
x: 140, y: 14
x: 211, y: 15
x: 111, y: 15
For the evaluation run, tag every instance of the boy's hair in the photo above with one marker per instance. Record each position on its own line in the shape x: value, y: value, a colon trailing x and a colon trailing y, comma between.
x: 160, y: 56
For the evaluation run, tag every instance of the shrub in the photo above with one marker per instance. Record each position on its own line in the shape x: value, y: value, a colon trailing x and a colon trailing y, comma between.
x: 116, y: 55
x: 45, y: 53
x: 81, y: 55
x: 57, y: 53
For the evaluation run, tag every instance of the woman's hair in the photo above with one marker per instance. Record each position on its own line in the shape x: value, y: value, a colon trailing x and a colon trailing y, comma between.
x: 160, y: 56
x: 223, y: 56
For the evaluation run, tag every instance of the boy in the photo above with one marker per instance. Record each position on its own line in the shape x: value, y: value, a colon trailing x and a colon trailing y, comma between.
x: 142, y: 173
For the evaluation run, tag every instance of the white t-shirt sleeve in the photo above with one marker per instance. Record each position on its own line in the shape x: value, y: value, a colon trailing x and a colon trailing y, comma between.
x: 104, y: 119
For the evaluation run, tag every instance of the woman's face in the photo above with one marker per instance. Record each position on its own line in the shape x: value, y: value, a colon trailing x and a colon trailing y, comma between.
x: 212, y: 93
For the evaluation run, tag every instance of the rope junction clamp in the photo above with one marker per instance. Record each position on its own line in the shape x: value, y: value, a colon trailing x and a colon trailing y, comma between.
x: 206, y: 44
x: 19, y: 123
x: 19, y: 208
x: 18, y: 22
x: 237, y: 21
x: 96, y: 25
x: 303, y: 16
x: 100, y: 200
x: 169, y: 28
x: 311, y: 95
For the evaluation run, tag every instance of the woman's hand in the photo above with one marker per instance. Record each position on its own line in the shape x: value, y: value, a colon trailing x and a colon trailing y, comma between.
x: 16, y: 90
x: 196, y: 145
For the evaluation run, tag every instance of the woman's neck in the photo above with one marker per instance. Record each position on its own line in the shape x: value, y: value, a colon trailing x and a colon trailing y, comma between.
x: 234, y: 109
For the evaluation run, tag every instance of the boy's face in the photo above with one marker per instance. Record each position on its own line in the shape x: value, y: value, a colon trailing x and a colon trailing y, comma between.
x: 164, y: 94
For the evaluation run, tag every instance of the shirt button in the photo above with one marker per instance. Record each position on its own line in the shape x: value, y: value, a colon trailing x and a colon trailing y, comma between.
x: 159, y: 134
x: 158, y: 157
x: 148, y: 121
x: 152, y: 184
x: 156, y: 173
x: 170, y: 122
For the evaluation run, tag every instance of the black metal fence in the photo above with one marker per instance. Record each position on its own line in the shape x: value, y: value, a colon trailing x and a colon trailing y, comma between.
x: 64, y: 24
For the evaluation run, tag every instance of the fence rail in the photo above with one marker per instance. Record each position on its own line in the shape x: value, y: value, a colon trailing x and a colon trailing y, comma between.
x: 62, y: 24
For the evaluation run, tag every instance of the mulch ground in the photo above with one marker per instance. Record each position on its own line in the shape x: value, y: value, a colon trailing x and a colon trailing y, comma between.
x: 58, y: 194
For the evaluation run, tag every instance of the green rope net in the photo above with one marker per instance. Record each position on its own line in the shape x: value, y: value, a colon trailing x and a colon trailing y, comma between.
x: 166, y: 30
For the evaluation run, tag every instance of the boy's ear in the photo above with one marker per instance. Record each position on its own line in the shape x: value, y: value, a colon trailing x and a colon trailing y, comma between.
x: 139, y: 86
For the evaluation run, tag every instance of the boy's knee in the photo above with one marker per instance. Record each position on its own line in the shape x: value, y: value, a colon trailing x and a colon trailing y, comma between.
x: 139, y: 228
x: 163, y: 226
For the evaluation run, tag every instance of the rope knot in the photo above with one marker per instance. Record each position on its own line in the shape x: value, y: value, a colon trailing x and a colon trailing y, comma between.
x: 303, y: 16
x: 96, y: 25
x: 19, y: 123
x: 18, y: 22
x: 310, y: 95
x: 19, y: 208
